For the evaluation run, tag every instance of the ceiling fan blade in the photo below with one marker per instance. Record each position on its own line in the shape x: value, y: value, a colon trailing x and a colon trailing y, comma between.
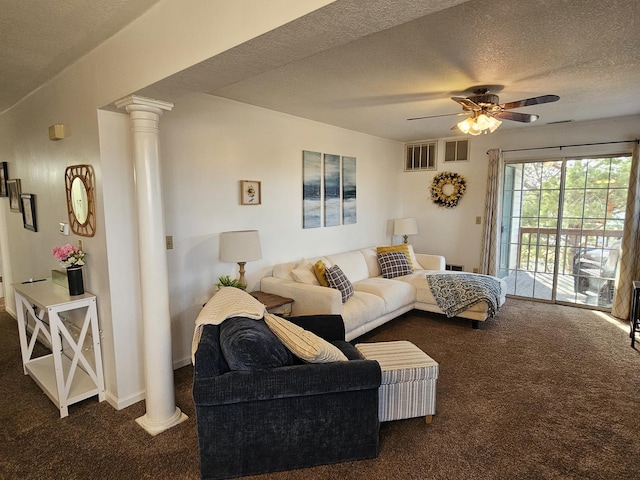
x: 531, y: 101
x: 436, y: 116
x: 466, y: 103
x: 516, y: 116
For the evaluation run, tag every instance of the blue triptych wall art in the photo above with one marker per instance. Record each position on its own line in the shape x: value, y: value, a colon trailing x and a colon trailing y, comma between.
x: 328, y: 190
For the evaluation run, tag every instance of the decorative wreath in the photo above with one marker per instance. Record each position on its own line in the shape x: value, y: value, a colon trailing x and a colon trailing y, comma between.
x: 442, y: 179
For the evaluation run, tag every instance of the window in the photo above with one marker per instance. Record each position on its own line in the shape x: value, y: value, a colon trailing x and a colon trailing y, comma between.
x: 420, y: 156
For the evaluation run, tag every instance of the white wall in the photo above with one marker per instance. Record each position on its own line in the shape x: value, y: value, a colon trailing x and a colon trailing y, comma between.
x: 173, y: 35
x: 453, y: 232
x: 209, y: 144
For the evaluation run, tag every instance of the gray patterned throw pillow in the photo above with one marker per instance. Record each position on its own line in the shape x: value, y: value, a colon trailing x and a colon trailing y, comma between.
x: 394, y: 264
x: 337, y: 279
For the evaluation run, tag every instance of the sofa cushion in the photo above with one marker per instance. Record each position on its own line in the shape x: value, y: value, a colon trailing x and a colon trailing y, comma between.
x: 403, y: 247
x: 353, y: 264
x: 395, y: 294
x: 423, y: 293
x: 305, y: 273
x: 413, y: 260
x: 248, y: 344
x: 283, y: 270
x: 338, y: 280
x: 371, y: 257
x: 320, y: 270
x: 305, y: 345
x: 394, y: 264
x: 362, y: 308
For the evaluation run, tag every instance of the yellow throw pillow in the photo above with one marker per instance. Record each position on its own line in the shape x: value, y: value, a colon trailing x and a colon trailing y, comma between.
x: 319, y: 269
x: 404, y: 248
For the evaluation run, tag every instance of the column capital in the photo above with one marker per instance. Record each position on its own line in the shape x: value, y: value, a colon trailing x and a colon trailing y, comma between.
x: 136, y: 102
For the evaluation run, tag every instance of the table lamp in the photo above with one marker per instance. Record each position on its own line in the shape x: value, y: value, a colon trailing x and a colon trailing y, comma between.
x: 240, y: 246
x: 405, y: 227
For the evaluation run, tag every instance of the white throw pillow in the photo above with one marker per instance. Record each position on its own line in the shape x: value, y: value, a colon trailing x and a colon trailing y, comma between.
x: 302, y: 343
x: 303, y: 273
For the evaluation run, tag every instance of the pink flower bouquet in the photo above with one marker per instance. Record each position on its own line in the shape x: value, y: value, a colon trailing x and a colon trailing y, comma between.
x: 69, y: 255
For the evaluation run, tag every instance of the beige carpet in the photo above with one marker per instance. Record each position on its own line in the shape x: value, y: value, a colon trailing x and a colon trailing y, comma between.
x: 540, y: 392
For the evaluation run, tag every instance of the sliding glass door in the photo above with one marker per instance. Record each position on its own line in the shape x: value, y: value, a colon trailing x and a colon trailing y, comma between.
x: 562, y: 223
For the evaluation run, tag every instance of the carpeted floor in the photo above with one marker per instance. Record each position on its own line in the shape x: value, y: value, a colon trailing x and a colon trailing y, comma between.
x: 539, y: 392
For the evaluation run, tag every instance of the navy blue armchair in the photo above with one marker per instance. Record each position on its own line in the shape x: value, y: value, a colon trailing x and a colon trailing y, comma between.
x: 294, y: 416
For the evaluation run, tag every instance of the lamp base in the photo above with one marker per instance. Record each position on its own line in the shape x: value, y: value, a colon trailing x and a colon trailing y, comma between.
x: 405, y: 239
x: 242, y: 280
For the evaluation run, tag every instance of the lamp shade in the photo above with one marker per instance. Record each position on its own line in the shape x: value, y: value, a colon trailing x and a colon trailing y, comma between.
x: 405, y: 226
x: 240, y: 246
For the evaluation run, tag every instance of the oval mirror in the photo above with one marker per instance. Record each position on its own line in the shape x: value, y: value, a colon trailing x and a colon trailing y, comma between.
x: 80, y: 200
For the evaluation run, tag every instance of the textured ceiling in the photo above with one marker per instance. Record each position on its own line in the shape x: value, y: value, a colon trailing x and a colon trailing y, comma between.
x: 372, y: 80
x: 39, y: 38
x: 368, y: 65
x: 585, y: 51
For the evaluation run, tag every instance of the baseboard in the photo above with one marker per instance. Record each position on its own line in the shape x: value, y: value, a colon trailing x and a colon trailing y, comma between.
x: 183, y: 362
x: 120, y: 403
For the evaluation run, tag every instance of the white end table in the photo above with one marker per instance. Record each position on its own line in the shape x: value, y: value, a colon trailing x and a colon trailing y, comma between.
x: 66, y: 377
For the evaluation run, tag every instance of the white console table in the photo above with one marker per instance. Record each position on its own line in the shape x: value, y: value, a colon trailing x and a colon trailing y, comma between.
x: 66, y: 377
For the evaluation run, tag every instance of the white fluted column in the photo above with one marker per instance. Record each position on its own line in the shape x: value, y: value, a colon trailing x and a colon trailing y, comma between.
x: 162, y: 412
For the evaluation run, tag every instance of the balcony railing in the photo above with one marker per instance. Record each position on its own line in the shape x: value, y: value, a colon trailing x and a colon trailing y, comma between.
x: 537, y: 246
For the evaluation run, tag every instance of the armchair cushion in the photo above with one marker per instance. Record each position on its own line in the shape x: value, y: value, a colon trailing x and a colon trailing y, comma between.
x: 248, y: 344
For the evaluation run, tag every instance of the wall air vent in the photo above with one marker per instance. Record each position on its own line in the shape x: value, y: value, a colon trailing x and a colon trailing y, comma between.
x: 420, y: 156
x: 456, y: 151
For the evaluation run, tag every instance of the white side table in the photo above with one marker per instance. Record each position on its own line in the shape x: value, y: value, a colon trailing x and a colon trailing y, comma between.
x: 66, y: 377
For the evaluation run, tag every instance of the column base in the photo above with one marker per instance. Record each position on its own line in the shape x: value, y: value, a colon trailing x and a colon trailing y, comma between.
x: 154, y: 428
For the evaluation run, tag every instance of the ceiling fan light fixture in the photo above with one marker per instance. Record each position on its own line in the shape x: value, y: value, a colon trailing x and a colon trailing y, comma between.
x: 465, y: 125
x: 494, y: 123
x: 479, y: 124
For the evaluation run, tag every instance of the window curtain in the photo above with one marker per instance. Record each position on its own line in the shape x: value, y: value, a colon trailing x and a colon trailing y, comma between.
x: 490, y: 235
x: 629, y: 261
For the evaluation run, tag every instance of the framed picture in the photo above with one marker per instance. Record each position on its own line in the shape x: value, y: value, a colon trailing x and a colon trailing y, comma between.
x: 331, y: 190
x: 311, y: 189
x: 28, y: 202
x: 250, y: 192
x: 4, y: 176
x: 13, y: 187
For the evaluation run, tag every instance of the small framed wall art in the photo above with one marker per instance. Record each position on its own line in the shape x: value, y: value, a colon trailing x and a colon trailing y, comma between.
x: 13, y: 187
x: 4, y: 176
x: 28, y: 201
x: 250, y: 192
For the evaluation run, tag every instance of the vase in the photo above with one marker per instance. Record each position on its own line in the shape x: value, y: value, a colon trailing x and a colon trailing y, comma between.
x: 76, y: 282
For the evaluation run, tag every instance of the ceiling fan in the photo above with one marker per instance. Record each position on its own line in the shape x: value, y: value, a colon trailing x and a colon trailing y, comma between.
x: 484, y: 110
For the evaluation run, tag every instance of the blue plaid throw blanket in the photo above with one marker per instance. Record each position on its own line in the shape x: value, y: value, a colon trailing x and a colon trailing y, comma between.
x: 456, y: 292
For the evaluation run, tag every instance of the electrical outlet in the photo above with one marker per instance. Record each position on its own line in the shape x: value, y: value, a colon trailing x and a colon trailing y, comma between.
x: 478, y: 220
x: 169, y: 239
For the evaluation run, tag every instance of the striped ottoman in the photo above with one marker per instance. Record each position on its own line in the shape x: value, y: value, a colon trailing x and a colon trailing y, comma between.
x: 409, y: 378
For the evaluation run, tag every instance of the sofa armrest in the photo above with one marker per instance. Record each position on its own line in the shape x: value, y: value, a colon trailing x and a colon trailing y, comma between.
x: 307, y: 299
x: 284, y: 382
x: 431, y: 262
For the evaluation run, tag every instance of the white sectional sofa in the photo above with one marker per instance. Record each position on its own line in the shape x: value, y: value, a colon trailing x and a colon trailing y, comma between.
x: 376, y: 300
